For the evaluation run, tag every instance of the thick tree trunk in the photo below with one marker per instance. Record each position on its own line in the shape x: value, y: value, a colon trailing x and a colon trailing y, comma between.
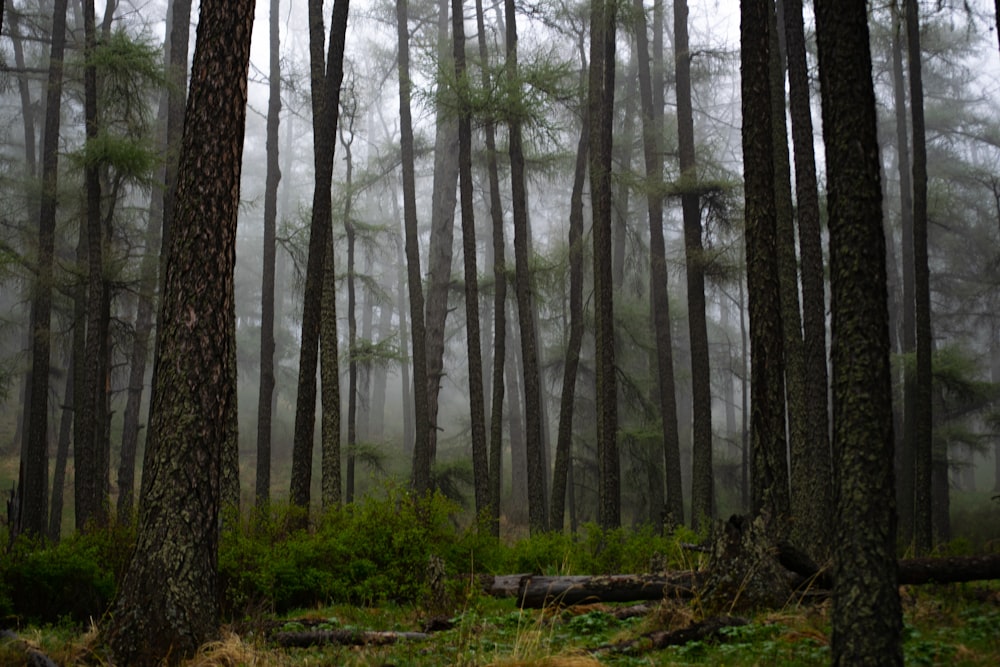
x: 195, y: 401
x: 866, y: 616
x: 330, y: 477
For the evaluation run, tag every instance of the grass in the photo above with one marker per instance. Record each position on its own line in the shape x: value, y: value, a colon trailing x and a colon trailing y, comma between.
x: 954, y: 625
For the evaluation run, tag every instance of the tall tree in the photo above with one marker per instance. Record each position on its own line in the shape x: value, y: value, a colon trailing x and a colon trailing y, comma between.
x: 923, y: 404
x: 170, y: 122
x: 346, y: 140
x: 651, y: 93
x: 601, y: 116
x: 421, y: 474
x: 195, y: 400
x: 866, y: 616
x: 265, y: 397
x: 34, y: 472
x: 813, y: 514
x: 477, y: 400
x: 499, y: 291
x: 769, y: 476
x: 326, y: 75
x: 702, y: 485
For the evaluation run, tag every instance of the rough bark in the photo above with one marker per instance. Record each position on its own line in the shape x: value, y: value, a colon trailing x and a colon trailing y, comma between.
x: 866, y: 616
x: 326, y: 75
x: 600, y: 111
x: 813, y: 514
x: 702, y: 483
x: 769, y: 469
x: 167, y: 604
x: 330, y: 475
x: 272, y: 178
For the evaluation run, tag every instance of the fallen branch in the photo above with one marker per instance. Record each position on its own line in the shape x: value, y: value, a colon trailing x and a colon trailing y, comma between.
x: 305, y: 639
x: 703, y: 630
x: 538, y: 592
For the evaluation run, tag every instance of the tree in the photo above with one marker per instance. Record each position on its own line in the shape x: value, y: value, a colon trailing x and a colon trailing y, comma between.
x: 813, y: 515
x: 265, y: 398
x: 34, y: 472
x: 866, y: 616
x: 195, y: 397
x: 767, y: 429
x: 601, y: 113
x: 326, y: 75
x: 421, y: 474
x: 477, y: 400
x: 923, y: 404
x: 651, y: 92
x: 702, y: 491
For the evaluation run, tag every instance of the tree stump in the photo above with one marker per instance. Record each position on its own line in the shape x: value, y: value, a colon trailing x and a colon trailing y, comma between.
x: 744, y: 573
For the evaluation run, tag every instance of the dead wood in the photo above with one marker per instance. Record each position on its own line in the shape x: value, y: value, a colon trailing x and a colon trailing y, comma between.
x: 538, y: 592
x: 709, y: 629
x: 307, y: 638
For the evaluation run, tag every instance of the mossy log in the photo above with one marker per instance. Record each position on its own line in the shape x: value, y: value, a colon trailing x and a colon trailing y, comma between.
x: 307, y: 638
x: 709, y: 629
x: 538, y: 592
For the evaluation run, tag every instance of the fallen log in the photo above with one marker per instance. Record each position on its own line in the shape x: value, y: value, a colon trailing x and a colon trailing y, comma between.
x: 949, y: 570
x: 307, y: 638
x: 538, y: 592
x: 502, y: 585
x: 709, y: 629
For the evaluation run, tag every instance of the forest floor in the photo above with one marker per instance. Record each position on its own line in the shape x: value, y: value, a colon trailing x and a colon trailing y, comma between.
x: 953, y: 625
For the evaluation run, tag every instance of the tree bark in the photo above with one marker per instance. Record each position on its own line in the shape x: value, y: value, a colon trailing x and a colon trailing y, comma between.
x: 601, y: 117
x: 866, y: 615
x: 536, y: 592
x: 272, y: 178
x: 326, y: 75
x: 167, y: 604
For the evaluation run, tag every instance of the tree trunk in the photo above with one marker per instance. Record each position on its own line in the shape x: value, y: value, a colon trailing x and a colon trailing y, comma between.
x: 330, y: 486
x: 480, y: 462
x: 702, y: 484
x: 62, y: 451
x: 499, y: 294
x: 601, y: 117
x: 352, y: 320
x: 651, y: 91
x: 195, y: 401
x: 813, y: 514
x: 326, y: 75
x: 265, y: 396
x: 515, y: 428
x: 421, y: 474
x: 866, y: 615
x: 32, y: 488
x: 769, y: 464
x: 923, y: 534
x: 537, y: 513
x: 440, y: 248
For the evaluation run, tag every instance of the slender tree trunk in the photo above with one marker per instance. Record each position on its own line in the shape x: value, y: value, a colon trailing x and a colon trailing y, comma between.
x: 24, y: 89
x: 817, y: 475
x: 769, y: 470
x: 499, y: 293
x: 265, y: 396
x: 62, y: 451
x: 326, y: 75
x: 195, y: 402
x: 537, y: 513
x: 421, y: 475
x: 620, y: 199
x: 32, y: 489
x: 480, y: 462
x: 352, y: 320
x: 923, y: 404
x: 441, y: 243
x: 515, y: 411
x: 651, y: 91
x: 905, y: 455
x: 866, y: 615
x: 601, y: 117
x: 330, y: 384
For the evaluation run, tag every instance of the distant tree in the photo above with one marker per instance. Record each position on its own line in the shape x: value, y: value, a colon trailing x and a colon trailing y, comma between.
x: 866, y: 615
x: 702, y: 484
x: 265, y: 398
x: 326, y: 75
x: 195, y: 406
x: 601, y: 113
x: 33, y: 477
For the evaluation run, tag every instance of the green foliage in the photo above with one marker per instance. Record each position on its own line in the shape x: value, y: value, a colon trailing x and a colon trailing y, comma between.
x: 75, y: 579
